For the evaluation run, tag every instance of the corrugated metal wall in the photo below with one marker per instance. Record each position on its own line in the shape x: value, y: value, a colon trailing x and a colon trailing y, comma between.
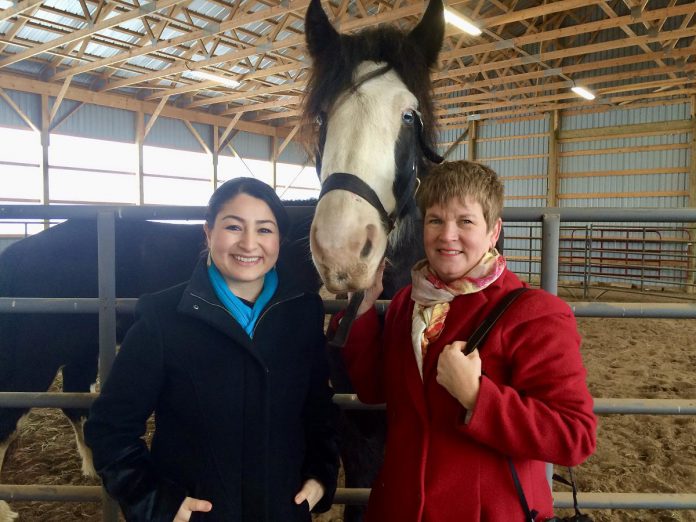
x: 100, y: 123
x: 633, y: 169
x: 29, y: 104
x: 172, y: 134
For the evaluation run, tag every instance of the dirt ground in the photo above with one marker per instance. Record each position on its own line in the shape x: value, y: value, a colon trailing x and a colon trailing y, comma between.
x: 626, y: 358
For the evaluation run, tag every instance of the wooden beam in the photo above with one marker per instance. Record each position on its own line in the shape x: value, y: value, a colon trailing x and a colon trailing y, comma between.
x: 624, y: 150
x: 227, y: 131
x: 456, y: 143
x: 536, y: 12
x: 55, y: 124
x: 552, y: 163
x: 246, y: 94
x: 18, y: 25
x: 237, y: 21
x: 566, y: 69
x: 117, y: 101
x: 287, y: 140
x: 631, y: 172
x: 581, y: 50
x: 574, y: 30
x: 18, y: 9
x: 59, y: 99
x: 567, y: 84
x: 19, y: 111
x: 287, y: 100
x: 471, y: 143
x: 155, y: 115
x: 596, y: 195
x: 87, y: 31
x: 198, y: 137
x: 295, y: 41
x: 261, y: 73
x: 604, y: 132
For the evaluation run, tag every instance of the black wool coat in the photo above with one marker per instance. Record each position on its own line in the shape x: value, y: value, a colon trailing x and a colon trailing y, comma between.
x: 240, y: 422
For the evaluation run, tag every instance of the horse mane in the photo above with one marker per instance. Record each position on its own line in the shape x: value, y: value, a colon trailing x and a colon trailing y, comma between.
x: 333, y: 75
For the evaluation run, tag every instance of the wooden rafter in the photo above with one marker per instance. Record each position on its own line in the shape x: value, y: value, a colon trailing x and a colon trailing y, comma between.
x: 524, y: 63
x: 83, y: 33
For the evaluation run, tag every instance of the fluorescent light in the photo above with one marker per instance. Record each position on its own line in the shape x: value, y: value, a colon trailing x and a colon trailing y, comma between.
x: 461, y: 22
x: 228, y: 82
x: 581, y: 91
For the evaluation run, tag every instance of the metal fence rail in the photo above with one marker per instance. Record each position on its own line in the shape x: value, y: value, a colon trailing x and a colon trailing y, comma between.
x: 106, y: 305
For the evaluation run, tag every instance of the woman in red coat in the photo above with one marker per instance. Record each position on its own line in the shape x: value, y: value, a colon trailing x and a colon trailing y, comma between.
x: 455, y: 420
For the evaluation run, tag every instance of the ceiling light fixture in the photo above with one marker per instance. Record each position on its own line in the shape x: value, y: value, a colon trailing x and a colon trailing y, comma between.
x: 581, y: 91
x: 222, y: 80
x: 228, y: 82
x: 461, y: 22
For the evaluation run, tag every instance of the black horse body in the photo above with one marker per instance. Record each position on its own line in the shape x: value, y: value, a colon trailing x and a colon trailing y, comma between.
x: 62, y: 262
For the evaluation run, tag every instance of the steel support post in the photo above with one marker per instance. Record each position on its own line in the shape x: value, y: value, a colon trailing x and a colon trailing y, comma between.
x: 106, y: 258
x: 550, y: 235
x: 550, y: 240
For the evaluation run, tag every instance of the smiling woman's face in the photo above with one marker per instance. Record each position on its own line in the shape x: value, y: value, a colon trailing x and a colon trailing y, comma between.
x: 456, y: 237
x: 244, y: 244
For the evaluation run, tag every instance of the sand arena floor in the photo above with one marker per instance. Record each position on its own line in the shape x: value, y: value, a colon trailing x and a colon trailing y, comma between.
x: 627, y: 358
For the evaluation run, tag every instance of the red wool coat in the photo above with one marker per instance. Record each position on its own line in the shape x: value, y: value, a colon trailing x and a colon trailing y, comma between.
x: 533, y: 406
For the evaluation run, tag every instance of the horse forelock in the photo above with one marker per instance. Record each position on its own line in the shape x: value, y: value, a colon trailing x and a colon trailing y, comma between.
x: 331, y: 76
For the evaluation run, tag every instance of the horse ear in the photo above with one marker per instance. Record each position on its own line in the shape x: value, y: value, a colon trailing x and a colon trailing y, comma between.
x: 320, y: 35
x: 430, y: 32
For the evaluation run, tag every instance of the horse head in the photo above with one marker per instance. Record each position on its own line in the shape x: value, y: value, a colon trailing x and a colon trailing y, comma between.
x: 371, y: 95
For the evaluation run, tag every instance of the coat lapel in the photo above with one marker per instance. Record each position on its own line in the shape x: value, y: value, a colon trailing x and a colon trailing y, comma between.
x: 409, y: 366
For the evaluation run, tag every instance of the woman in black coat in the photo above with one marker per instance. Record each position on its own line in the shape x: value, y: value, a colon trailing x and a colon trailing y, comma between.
x: 233, y: 365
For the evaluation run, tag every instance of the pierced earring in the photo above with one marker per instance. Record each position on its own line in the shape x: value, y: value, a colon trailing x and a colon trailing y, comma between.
x: 210, y: 259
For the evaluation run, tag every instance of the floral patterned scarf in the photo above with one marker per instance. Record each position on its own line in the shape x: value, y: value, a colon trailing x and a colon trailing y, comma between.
x: 432, y: 297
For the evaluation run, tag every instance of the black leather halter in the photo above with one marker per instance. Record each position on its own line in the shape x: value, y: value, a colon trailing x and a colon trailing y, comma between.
x: 352, y: 183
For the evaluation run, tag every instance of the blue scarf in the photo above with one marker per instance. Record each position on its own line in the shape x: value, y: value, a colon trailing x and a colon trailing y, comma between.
x: 245, y: 315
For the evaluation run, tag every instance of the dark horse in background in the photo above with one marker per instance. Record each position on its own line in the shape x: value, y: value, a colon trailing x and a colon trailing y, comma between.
x: 370, y: 92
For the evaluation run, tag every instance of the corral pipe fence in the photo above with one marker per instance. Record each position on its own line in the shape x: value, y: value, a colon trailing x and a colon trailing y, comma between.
x: 106, y: 305
x: 636, y: 258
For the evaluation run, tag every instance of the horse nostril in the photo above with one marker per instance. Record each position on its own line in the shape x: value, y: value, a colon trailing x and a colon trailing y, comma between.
x: 370, y: 232
x: 366, y: 249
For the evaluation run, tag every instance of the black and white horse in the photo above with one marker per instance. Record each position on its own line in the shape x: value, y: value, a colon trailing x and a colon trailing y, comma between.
x: 370, y: 92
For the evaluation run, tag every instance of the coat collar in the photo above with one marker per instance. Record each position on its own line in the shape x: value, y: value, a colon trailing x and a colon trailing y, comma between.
x: 200, y: 302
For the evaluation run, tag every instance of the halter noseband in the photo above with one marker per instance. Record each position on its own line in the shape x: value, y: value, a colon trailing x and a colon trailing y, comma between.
x: 352, y: 183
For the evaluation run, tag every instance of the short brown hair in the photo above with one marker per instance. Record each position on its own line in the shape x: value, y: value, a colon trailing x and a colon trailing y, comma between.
x: 461, y: 179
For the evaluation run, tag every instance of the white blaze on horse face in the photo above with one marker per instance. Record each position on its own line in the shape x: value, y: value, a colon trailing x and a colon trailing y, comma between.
x: 347, y: 239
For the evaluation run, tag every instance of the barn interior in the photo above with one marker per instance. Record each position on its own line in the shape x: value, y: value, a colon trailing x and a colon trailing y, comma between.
x: 583, y: 105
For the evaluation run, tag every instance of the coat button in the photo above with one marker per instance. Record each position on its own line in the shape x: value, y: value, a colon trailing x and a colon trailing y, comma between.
x: 195, y: 307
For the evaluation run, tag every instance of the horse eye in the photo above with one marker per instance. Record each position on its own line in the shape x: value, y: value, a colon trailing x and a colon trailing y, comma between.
x: 408, y: 117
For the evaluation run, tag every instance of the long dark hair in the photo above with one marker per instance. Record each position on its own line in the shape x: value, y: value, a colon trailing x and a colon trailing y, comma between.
x: 254, y: 188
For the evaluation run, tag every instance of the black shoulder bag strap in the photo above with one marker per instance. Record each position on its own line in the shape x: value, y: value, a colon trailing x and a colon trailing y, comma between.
x: 476, y: 340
